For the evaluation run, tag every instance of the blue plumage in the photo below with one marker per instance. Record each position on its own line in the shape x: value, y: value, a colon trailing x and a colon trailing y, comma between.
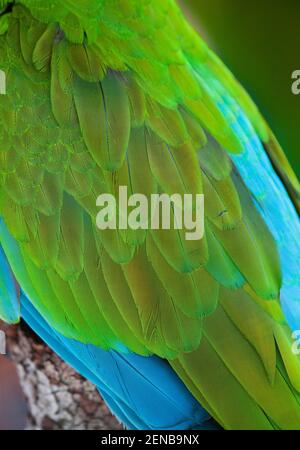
x: 143, y: 392
x: 9, y: 309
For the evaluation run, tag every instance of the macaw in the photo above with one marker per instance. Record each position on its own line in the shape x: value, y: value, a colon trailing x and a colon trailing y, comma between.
x: 102, y: 94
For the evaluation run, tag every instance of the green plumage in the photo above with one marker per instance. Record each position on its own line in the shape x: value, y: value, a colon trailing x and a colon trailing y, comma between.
x: 105, y: 93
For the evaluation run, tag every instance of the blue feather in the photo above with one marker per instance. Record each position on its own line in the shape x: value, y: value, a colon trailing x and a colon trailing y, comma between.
x: 9, y: 299
x: 273, y: 202
x: 143, y: 392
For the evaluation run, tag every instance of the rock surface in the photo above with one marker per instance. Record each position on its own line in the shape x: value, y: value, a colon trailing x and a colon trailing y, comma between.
x: 57, y: 397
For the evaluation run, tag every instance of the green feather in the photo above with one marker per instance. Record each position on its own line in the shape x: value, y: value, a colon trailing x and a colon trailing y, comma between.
x: 69, y: 263
x: 100, y: 97
x: 85, y: 62
x: 41, y: 56
x: 103, y: 111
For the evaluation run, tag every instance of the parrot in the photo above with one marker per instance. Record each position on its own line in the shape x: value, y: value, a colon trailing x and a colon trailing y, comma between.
x: 175, y: 333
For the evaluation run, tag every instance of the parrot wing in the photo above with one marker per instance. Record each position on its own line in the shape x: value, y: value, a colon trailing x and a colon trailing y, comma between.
x: 130, y: 384
x: 87, y: 112
x: 284, y: 170
x: 9, y: 293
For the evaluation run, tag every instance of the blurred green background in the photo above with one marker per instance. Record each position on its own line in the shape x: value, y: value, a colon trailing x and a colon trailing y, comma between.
x: 259, y: 40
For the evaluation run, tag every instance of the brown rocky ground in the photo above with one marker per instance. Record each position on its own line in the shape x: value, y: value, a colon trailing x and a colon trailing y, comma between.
x: 57, y: 398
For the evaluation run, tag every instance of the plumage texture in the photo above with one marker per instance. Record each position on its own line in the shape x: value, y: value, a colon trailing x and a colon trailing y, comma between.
x: 129, y: 383
x: 92, y: 104
x: 9, y: 293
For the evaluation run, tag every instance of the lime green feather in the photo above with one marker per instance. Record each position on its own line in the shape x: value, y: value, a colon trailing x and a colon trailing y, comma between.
x: 102, y: 94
